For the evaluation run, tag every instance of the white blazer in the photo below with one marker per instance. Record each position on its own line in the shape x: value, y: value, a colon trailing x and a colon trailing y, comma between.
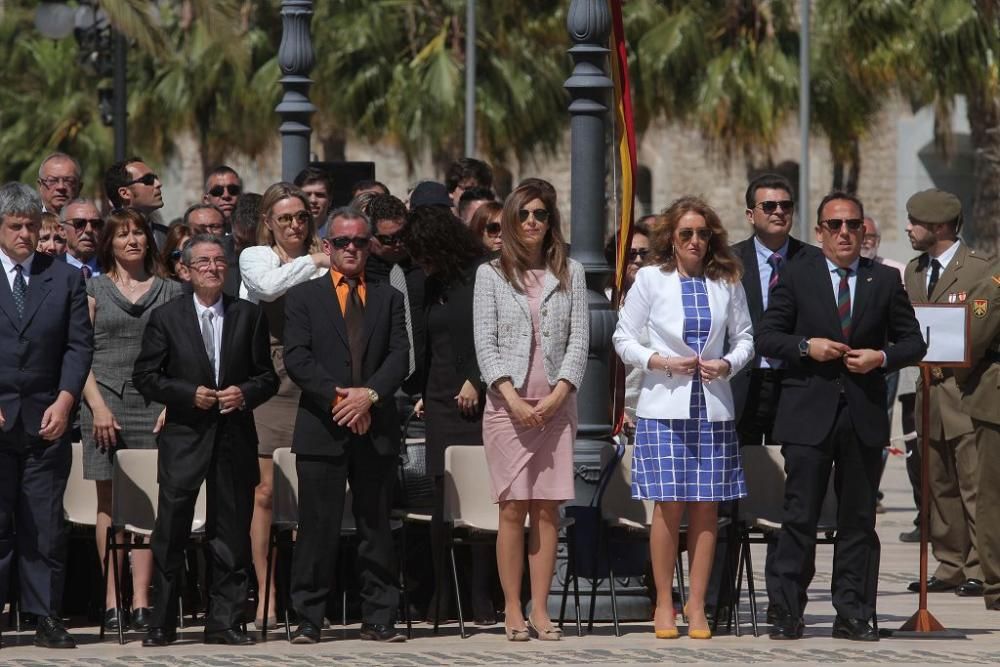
x: 654, y: 303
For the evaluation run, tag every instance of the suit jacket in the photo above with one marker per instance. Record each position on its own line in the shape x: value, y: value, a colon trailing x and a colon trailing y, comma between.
x: 967, y: 269
x: 747, y: 252
x: 981, y: 385
x: 654, y: 303
x: 49, y: 349
x: 503, y: 328
x: 803, y: 305
x: 318, y: 359
x: 173, y: 363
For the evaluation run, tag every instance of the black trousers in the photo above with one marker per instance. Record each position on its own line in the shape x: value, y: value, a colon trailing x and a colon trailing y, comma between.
x: 229, y: 508
x: 856, y: 551
x: 322, y: 489
x: 33, y: 474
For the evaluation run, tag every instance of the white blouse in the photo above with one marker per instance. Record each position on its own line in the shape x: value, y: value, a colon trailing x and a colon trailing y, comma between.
x: 265, y: 278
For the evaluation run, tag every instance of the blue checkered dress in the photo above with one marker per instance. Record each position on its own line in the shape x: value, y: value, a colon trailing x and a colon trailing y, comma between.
x: 688, y: 459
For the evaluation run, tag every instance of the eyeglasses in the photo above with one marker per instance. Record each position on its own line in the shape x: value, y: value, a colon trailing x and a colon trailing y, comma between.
x: 390, y: 239
x: 493, y: 228
x: 834, y: 224
x: 540, y: 214
x: 204, y: 263
x: 770, y: 207
x: 302, y: 217
x: 704, y: 234
x: 79, y: 224
x: 52, y: 181
x: 341, y: 242
x: 233, y: 190
x: 634, y: 253
x: 146, y: 179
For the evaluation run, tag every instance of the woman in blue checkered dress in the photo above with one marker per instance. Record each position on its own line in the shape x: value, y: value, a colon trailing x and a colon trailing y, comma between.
x: 686, y: 455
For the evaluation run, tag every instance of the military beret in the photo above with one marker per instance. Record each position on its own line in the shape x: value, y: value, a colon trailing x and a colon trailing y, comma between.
x: 934, y: 207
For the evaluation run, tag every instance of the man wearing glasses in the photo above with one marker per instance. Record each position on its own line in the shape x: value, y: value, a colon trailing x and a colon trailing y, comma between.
x: 82, y: 223
x: 838, y: 323
x: 346, y: 347
x: 223, y: 188
x: 207, y: 358
x: 59, y: 181
x: 131, y: 183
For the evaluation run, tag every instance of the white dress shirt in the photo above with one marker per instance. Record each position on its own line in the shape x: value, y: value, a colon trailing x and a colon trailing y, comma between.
x: 944, y: 259
x: 265, y: 278
x: 218, y: 314
x: 8, y: 268
x: 95, y: 270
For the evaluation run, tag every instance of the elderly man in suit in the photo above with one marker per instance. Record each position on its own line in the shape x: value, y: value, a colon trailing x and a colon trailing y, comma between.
x: 207, y: 358
x: 47, y: 343
x: 346, y: 347
x: 838, y: 323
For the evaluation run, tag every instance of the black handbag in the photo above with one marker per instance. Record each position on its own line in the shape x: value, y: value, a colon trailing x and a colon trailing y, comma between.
x: 416, y: 488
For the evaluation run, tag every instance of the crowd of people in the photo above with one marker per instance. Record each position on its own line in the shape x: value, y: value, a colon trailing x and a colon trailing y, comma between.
x: 262, y: 321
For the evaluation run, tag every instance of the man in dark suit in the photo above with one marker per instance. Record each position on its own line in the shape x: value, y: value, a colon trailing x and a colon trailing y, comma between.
x: 48, y: 343
x: 346, y: 347
x: 207, y: 358
x: 830, y: 322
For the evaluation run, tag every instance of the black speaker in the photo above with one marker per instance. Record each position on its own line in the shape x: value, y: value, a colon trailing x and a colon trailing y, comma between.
x: 345, y: 175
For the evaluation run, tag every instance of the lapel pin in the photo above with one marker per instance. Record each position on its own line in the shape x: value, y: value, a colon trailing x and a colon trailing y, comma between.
x: 869, y: 279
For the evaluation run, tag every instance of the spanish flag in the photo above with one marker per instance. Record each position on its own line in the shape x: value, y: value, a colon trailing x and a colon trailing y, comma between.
x: 625, y: 154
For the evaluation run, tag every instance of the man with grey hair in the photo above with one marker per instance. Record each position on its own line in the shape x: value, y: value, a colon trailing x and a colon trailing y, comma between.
x: 59, y: 181
x: 82, y: 223
x: 205, y: 219
x: 870, y: 244
x: 47, y: 344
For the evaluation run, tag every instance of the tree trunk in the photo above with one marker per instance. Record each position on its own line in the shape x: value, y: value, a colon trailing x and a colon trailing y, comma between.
x: 984, y: 121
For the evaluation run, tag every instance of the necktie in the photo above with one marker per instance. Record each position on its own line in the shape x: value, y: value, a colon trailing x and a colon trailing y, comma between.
x: 208, y: 337
x: 774, y: 261
x: 87, y: 272
x: 844, y: 303
x: 354, y: 318
x: 397, y: 278
x: 935, y: 274
x: 20, y: 289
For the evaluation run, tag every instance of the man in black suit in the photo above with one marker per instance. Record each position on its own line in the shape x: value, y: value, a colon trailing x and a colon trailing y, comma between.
x: 346, y: 347
x: 830, y: 322
x: 207, y: 358
x: 47, y: 344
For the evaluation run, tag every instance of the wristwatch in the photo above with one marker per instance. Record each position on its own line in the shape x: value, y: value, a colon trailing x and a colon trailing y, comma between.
x: 372, y: 396
x: 804, y: 347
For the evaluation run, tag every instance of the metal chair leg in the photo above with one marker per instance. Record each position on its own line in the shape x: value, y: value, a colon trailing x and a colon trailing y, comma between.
x: 679, y: 569
x: 752, y: 592
x: 458, y: 595
x: 614, y: 599
x: 403, y: 589
x: 268, y: 570
x: 118, y: 589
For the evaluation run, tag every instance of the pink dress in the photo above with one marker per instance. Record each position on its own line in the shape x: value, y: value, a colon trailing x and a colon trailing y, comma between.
x: 530, y: 463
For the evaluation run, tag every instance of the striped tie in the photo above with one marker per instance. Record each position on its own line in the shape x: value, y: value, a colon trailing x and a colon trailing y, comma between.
x: 844, y: 303
x: 775, y: 262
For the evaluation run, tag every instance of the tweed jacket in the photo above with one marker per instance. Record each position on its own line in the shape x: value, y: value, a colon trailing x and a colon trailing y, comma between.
x: 503, y: 330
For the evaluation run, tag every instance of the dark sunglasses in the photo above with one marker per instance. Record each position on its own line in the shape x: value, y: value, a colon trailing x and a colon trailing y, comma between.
x: 218, y: 190
x: 704, y: 234
x: 146, y: 179
x: 341, y: 242
x: 834, y: 224
x: 302, y: 217
x: 633, y: 253
x: 492, y: 228
x: 541, y: 215
x: 770, y: 207
x: 175, y: 255
x: 79, y: 224
x: 389, y: 239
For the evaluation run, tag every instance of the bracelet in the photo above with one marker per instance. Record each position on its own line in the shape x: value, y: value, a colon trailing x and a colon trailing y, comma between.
x: 729, y: 367
x: 666, y: 368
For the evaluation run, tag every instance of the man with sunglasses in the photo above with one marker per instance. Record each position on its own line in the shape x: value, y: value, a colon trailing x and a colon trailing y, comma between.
x: 59, y: 181
x: 131, y: 183
x: 946, y: 271
x: 838, y: 323
x: 223, y: 187
x: 345, y: 346
x: 82, y: 223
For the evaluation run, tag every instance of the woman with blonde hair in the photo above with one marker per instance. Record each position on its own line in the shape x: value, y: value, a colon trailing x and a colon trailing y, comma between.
x: 688, y: 303
x: 288, y: 253
x: 531, y: 335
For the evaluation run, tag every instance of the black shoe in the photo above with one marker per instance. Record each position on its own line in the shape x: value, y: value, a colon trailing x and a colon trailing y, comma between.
x: 306, y: 633
x: 113, y: 618
x: 775, y: 612
x: 717, y: 616
x: 855, y: 629
x: 140, y: 619
x: 784, y: 625
x: 934, y: 585
x: 381, y: 633
x: 970, y: 588
x: 159, y: 637
x: 910, y: 537
x: 229, y: 637
x: 52, y: 634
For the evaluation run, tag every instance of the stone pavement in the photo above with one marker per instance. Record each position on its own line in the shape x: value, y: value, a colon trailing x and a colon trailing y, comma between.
x: 637, y: 646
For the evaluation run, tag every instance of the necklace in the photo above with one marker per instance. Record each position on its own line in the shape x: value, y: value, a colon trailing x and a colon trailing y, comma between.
x: 136, y: 284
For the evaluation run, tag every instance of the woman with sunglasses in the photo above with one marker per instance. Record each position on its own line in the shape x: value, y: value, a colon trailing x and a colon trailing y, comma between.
x: 485, y: 224
x: 531, y: 334
x: 689, y: 303
x: 113, y: 414
x: 287, y: 254
x: 177, y: 238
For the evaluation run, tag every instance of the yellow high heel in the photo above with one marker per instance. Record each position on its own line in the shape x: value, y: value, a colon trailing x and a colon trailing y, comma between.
x: 669, y: 633
x: 696, y: 634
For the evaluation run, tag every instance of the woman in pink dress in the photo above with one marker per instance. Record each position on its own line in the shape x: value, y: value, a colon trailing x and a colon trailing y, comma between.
x: 531, y: 335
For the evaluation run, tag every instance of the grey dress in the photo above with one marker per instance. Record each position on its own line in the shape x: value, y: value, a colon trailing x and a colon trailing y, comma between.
x: 118, y: 330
